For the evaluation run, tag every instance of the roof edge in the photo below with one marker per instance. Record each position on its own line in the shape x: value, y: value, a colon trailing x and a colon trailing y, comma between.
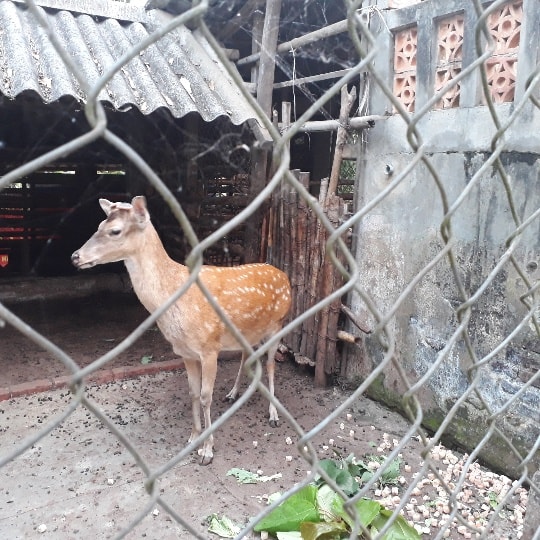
x: 100, y: 8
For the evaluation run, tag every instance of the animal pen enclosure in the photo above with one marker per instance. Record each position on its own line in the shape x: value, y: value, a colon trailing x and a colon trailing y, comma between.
x: 414, y: 278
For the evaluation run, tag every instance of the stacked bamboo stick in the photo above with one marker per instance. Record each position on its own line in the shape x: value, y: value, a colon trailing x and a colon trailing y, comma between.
x: 299, y: 248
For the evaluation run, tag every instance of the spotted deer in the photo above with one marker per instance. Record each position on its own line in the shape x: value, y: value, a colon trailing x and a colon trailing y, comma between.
x: 255, y: 297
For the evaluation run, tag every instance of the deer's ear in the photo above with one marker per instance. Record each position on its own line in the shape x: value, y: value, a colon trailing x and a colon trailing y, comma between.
x: 106, y: 205
x: 139, y: 207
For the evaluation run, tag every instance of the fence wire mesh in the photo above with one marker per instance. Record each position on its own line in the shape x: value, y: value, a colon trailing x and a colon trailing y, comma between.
x: 447, y: 494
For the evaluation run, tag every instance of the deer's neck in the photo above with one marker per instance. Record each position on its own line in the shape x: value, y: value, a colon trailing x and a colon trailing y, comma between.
x: 154, y: 275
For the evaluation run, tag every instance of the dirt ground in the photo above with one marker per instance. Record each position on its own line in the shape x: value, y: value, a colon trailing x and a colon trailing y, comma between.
x: 85, y: 328
x: 79, y: 481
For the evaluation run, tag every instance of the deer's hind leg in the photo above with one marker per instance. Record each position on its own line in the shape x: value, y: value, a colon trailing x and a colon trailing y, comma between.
x: 270, y: 370
x: 233, y: 394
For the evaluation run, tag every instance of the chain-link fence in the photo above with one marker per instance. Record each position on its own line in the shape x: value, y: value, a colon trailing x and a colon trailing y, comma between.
x: 444, y: 493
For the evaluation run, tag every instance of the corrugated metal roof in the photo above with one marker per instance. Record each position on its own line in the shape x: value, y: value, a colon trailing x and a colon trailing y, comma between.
x: 180, y: 72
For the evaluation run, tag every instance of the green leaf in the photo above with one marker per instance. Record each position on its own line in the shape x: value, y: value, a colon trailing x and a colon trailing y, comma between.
x: 493, y: 500
x: 367, y: 475
x: 341, y: 476
x: 243, y: 476
x: 247, y: 477
x: 326, y: 499
x: 355, y: 469
x: 300, y: 507
x: 391, y: 473
x: 367, y: 510
x: 332, y: 530
x: 329, y: 466
x: 345, y: 480
x: 223, y: 526
x: 399, y: 530
x: 146, y: 359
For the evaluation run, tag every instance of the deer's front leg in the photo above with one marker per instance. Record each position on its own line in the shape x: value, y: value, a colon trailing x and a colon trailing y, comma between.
x: 209, y: 369
x: 193, y: 369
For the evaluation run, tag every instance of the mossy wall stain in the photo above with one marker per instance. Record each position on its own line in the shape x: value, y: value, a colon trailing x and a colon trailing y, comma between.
x: 396, y: 241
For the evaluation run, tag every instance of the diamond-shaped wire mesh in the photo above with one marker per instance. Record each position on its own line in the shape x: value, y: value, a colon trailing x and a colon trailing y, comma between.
x: 446, y: 494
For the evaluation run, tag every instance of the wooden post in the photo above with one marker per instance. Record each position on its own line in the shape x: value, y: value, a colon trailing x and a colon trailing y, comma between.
x: 267, y: 60
x: 256, y: 40
x: 254, y: 248
x: 347, y: 101
x: 331, y: 361
x: 300, y: 259
x: 324, y: 331
x: 329, y: 280
x: 264, y: 97
x: 286, y: 109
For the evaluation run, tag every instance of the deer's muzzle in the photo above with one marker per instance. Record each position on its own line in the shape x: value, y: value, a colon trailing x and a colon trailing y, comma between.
x: 78, y: 263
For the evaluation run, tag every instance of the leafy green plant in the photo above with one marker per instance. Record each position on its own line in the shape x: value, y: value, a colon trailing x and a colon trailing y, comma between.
x: 317, y: 512
x: 390, y: 475
x: 493, y: 499
x: 350, y: 473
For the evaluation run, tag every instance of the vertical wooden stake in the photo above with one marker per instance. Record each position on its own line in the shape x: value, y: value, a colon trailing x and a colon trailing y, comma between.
x: 347, y: 101
x: 267, y: 60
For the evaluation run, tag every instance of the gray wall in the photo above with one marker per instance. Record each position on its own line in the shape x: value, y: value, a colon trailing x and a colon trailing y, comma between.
x: 402, y: 234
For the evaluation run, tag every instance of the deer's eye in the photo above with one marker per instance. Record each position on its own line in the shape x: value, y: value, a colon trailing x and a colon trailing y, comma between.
x: 115, y: 232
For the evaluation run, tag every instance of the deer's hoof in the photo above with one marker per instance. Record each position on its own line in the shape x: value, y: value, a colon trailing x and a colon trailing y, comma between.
x: 206, y: 457
x: 230, y: 397
x: 273, y: 423
x: 206, y: 460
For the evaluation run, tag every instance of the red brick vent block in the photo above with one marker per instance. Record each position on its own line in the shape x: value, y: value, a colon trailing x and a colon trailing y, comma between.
x: 505, y: 27
x: 449, y: 59
x: 405, y: 45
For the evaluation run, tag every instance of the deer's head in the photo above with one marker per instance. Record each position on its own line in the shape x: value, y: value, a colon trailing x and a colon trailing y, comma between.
x: 117, y: 237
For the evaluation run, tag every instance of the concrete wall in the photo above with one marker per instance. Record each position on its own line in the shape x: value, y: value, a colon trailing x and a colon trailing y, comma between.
x: 402, y: 234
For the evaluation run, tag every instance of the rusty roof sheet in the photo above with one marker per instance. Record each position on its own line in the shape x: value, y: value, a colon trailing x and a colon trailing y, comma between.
x: 180, y: 72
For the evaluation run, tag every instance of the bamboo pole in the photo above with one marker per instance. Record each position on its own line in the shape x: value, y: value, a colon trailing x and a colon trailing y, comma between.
x: 288, y: 46
x: 267, y: 56
x: 347, y: 100
x: 256, y: 40
x: 326, y: 335
x: 356, y: 122
x: 317, y: 256
x: 306, y: 296
x: 331, y: 362
x: 313, y: 78
x: 361, y: 325
x: 301, y: 252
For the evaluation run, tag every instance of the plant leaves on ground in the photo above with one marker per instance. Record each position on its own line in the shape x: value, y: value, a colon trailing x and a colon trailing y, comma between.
x: 317, y: 512
x: 223, y: 526
x: 247, y: 477
x: 340, y: 473
x: 399, y: 530
x: 289, y: 515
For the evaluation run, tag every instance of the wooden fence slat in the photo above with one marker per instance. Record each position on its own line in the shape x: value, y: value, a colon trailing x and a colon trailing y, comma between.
x: 298, y: 242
